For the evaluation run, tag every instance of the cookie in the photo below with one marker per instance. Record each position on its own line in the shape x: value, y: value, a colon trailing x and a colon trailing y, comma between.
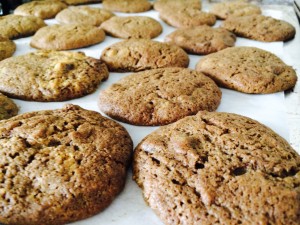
x: 187, y: 17
x: 67, y: 36
x: 219, y: 168
x: 7, y: 48
x: 59, y: 166
x: 79, y: 2
x: 223, y: 10
x: 127, y: 6
x: 202, y: 39
x: 51, y: 75
x: 135, y: 55
x: 260, y: 28
x: 132, y: 27
x: 248, y: 70
x: 161, y: 5
x: 83, y: 14
x: 159, y: 96
x: 7, y: 107
x: 41, y: 9
x: 16, y: 26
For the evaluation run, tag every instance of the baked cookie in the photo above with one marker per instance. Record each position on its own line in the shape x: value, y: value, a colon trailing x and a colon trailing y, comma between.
x: 127, y: 6
x: 16, y: 26
x: 142, y: 54
x: 59, y: 166
x: 202, y: 39
x: 67, y: 36
x: 187, y: 17
x: 51, y: 75
x: 161, y: 5
x: 261, y: 28
x: 7, y: 48
x: 159, y: 96
x: 83, y: 14
x: 248, y: 70
x: 79, y: 2
x: 7, y: 107
x: 132, y: 27
x: 219, y: 168
x: 41, y: 9
x: 223, y: 10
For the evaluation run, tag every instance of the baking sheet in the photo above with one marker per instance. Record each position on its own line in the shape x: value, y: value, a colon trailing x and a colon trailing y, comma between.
x: 129, y: 207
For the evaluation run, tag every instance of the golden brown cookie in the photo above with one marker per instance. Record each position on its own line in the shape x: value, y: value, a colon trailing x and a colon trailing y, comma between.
x: 67, y: 36
x: 7, y: 107
x: 142, y: 54
x: 202, y: 39
x: 7, y: 48
x: 161, y: 5
x: 219, y: 168
x: 51, y: 75
x: 261, y: 28
x: 127, y: 6
x: 79, y: 2
x: 159, y: 96
x: 223, y: 10
x: 132, y: 27
x: 249, y: 70
x: 83, y: 14
x: 59, y: 166
x: 41, y: 9
x: 16, y: 26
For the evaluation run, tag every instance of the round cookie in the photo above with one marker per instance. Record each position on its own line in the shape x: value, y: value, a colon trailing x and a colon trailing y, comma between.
x: 83, y: 14
x: 202, y: 39
x: 41, y: 9
x: 59, y: 166
x: 159, y: 96
x: 79, y: 2
x: 7, y: 107
x: 7, y: 48
x: 132, y: 27
x: 187, y: 17
x: 261, y: 28
x: 219, y: 168
x: 161, y: 5
x: 16, y: 26
x: 67, y: 36
x: 127, y: 6
x: 51, y: 75
x: 223, y: 10
x: 248, y: 70
x: 135, y: 55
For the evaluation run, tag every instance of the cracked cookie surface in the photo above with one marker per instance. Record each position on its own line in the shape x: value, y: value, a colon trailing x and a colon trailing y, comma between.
x: 59, y: 166
x: 7, y: 48
x: 135, y: 55
x: 132, y: 27
x: 51, y: 75
x: 7, y: 107
x: 159, y: 96
x: 161, y: 5
x: 127, y: 6
x: 202, y: 39
x: 249, y: 70
x: 16, y: 26
x: 260, y: 28
x: 67, y: 36
x: 219, y: 168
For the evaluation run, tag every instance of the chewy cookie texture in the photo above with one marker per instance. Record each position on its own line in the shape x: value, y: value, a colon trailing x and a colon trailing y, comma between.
x: 219, y: 168
x: 7, y: 107
x: 159, y: 96
x: 59, y: 166
x: 7, y: 48
x: 127, y: 6
x: 51, y: 75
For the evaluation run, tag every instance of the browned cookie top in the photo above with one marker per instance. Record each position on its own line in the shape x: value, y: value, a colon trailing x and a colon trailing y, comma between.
x: 7, y: 107
x: 142, y: 54
x: 59, y: 166
x: 159, y: 96
x: 219, y: 168
x: 51, y: 75
x: 7, y: 48
x: 202, y: 39
x: 162, y: 5
x: 223, y: 10
x: 16, y: 26
x: 79, y: 2
x: 127, y: 6
x: 261, y: 28
x: 249, y: 70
